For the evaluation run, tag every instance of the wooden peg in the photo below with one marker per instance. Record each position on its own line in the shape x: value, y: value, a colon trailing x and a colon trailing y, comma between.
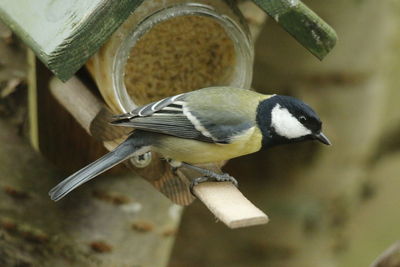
x: 229, y: 205
x: 224, y: 200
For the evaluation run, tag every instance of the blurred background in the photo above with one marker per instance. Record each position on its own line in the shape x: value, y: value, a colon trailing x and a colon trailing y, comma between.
x: 328, y: 206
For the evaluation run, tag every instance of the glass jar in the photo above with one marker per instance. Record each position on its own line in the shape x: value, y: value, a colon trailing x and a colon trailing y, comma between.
x: 167, y: 47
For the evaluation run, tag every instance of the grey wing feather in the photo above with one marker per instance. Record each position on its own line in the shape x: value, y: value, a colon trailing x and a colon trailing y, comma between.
x: 150, y: 109
x: 165, y: 116
x: 223, y: 113
x: 178, y: 126
x: 223, y: 126
x: 189, y: 116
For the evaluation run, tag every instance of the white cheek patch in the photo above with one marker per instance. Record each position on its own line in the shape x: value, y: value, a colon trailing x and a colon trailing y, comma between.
x: 286, y: 125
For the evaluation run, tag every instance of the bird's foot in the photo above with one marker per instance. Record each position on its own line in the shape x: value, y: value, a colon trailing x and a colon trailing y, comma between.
x: 212, y: 177
x: 226, y: 178
x: 208, y: 176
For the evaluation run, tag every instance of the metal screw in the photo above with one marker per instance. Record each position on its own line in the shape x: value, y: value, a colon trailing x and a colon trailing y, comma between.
x: 141, y: 161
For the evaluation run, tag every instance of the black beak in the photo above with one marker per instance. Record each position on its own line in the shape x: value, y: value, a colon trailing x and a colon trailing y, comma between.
x: 322, y: 138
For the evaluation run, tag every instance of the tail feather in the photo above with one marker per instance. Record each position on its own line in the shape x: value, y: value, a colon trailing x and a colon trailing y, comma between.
x: 124, y: 151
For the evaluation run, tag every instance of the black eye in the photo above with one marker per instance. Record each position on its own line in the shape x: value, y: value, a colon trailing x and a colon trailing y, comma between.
x: 302, y: 119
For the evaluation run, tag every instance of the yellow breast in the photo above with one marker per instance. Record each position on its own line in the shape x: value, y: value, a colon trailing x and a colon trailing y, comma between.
x: 197, y: 152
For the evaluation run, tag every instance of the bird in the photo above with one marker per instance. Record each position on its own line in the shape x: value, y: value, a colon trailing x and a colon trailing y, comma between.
x: 203, y: 126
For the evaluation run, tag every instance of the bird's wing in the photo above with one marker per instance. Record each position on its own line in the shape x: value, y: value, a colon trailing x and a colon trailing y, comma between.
x: 191, y: 116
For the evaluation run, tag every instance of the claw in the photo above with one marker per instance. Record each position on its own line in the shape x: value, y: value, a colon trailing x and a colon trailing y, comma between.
x: 226, y: 178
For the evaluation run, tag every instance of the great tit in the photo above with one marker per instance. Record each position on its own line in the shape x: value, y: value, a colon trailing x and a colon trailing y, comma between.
x: 203, y: 126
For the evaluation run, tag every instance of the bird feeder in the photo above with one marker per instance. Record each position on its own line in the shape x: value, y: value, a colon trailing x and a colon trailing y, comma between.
x: 178, y: 46
x: 137, y: 52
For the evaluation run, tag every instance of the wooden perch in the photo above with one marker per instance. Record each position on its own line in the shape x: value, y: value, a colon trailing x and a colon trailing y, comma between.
x: 229, y: 205
x: 224, y: 200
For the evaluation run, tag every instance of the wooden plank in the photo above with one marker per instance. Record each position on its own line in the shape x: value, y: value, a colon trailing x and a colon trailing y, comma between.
x: 59, y: 132
x: 64, y: 34
x: 302, y: 23
x: 229, y: 205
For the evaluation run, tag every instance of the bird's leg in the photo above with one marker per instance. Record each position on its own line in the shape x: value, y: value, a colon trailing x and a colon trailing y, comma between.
x: 174, y: 165
x: 208, y: 176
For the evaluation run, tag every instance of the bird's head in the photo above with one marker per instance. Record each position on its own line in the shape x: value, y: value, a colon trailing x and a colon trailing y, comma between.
x: 285, y: 119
